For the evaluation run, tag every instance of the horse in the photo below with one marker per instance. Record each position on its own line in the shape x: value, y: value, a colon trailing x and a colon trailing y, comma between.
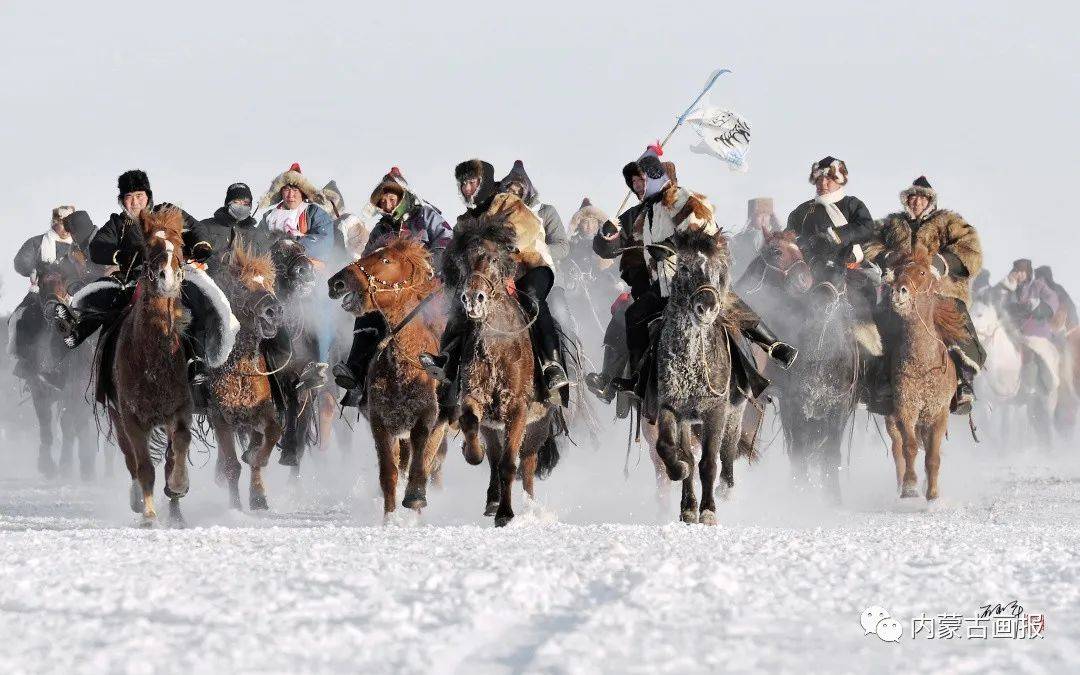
x: 66, y: 405
x: 498, y: 390
x: 241, y: 402
x: 923, y: 374
x: 818, y: 393
x: 304, y: 398
x: 149, y: 382
x: 398, y: 282
x: 696, y: 402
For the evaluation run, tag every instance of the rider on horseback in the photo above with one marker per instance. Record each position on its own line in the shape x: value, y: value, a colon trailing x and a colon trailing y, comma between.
x: 119, y: 244
x: 957, y: 258
x: 1032, y: 304
x: 403, y: 212
x: 666, y: 209
x: 231, y: 227
x: 69, y: 232
x: 477, y: 187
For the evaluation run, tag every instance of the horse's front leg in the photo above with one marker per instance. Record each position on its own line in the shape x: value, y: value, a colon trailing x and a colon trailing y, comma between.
x: 892, y: 426
x: 386, y: 447
x: 688, y: 505
x: 141, y: 467
x: 515, y: 435
x: 712, y: 434
x: 176, y: 479
x: 493, y: 443
x: 667, y: 446
x: 228, y: 466
x: 43, y: 410
x: 266, y: 442
x: 909, y: 487
x: 935, y: 435
x: 419, y: 463
x: 471, y: 416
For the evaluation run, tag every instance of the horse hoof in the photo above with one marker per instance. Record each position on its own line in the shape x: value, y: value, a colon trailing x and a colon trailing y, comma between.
x: 708, y: 518
x: 689, y: 517
x: 174, y: 494
x: 135, y: 498
x: 492, y: 509
x: 257, y: 503
x: 245, y: 457
x: 473, y: 457
x: 414, y: 500
x: 503, y: 521
x: 678, y: 471
x: 908, y: 492
x: 931, y: 497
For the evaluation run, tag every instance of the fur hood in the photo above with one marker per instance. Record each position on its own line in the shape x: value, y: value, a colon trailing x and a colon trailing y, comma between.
x: 393, y: 182
x: 530, y: 195
x: 476, y: 168
x: 585, y: 214
x: 293, y: 177
x: 920, y: 186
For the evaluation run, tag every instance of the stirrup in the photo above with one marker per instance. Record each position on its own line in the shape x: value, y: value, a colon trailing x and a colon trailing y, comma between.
x: 555, y: 377
x: 344, y: 376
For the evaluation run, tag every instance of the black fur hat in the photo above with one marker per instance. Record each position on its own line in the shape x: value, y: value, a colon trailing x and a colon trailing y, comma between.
x: 134, y: 180
x: 1023, y: 264
x: 628, y: 172
x: 237, y: 191
x: 476, y: 168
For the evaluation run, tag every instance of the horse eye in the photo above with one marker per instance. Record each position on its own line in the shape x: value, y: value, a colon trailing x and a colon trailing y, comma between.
x: 386, y: 261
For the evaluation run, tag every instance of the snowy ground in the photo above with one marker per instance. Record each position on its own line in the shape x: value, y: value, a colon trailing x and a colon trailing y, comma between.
x: 595, y: 577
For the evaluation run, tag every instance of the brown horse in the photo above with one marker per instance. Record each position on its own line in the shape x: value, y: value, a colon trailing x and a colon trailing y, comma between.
x: 402, y: 406
x: 499, y: 399
x: 923, y: 374
x: 149, y: 388
x: 241, y: 402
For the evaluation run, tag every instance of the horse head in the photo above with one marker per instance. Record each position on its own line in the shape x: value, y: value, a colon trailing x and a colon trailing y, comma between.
x: 53, y: 283
x: 701, y: 274
x: 785, y: 265
x: 252, y: 283
x: 163, y: 247
x: 478, y: 264
x: 385, y: 278
x: 295, y: 273
x: 913, y: 282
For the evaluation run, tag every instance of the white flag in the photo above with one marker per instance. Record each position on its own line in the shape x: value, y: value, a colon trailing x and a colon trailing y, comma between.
x: 724, y: 134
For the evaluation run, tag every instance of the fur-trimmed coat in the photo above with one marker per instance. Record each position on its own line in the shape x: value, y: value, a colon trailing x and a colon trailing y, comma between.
x: 676, y: 210
x: 531, y: 240
x: 945, y: 234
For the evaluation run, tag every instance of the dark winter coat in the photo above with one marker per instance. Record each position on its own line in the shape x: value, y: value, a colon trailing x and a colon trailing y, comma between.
x: 810, y: 219
x: 423, y: 222
x: 632, y: 267
x: 119, y: 242
x: 28, y: 258
x: 216, y: 237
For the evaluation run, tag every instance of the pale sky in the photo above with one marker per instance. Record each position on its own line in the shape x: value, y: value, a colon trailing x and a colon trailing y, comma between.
x: 979, y: 96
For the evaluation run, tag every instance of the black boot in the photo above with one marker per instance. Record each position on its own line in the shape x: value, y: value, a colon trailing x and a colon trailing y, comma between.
x: 782, y: 352
x: 965, y: 378
x: 197, y: 377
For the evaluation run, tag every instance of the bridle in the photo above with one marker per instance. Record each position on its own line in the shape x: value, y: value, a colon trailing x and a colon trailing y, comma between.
x: 779, y: 274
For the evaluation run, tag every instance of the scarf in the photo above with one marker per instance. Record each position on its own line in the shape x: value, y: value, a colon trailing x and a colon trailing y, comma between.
x: 829, y: 201
x: 290, y: 221
x: 49, y: 240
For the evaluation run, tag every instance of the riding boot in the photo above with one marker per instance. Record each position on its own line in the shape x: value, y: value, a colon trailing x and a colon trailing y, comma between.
x: 198, y: 374
x: 758, y: 333
x: 444, y: 365
x: 968, y: 356
x: 351, y: 374
x: 609, y: 381
x: 533, y: 288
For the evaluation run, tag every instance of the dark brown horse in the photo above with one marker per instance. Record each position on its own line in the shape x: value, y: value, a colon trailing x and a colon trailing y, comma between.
x: 923, y: 373
x: 241, y: 401
x: 402, y: 406
x: 501, y: 415
x: 149, y: 388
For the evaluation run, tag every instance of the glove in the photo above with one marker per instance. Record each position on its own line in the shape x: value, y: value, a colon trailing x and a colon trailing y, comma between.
x: 610, y: 230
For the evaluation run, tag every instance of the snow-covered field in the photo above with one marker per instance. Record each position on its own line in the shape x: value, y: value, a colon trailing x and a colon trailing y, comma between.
x: 594, y: 577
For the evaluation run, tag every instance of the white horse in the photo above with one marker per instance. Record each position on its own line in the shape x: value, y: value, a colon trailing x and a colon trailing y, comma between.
x: 1008, y: 382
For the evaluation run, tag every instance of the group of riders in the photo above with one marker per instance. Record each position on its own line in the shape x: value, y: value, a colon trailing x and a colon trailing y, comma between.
x: 843, y: 245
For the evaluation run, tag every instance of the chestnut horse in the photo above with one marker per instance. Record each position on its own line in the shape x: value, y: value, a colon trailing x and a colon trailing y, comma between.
x: 402, y: 405
x: 149, y: 388
x: 923, y: 374
x: 241, y: 402
x: 498, y: 389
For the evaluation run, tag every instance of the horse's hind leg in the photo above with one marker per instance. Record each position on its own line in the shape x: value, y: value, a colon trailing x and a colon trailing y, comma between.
x: 893, y: 428
x: 688, y: 505
x: 439, y: 456
x: 932, y: 446
x: 43, y: 410
x: 228, y: 466
x: 470, y: 427
x: 262, y: 444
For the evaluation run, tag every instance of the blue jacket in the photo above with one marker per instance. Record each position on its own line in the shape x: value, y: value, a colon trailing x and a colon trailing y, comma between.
x: 423, y: 222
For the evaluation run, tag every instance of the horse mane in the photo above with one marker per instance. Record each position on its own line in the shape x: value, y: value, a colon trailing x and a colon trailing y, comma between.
x: 466, y: 234
x: 169, y: 219
x: 246, y: 264
x: 698, y: 241
x: 410, y: 248
x: 949, y: 321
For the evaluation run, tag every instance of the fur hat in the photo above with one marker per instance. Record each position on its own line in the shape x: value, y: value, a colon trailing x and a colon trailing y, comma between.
x: 134, y: 180
x: 61, y: 212
x: 81, y: 228
x: 762, y: 206
x: 587, y: 214
x: 237, y: 191
x: 920, y: 186
x: 518, y: 175
x: 1023, y: 265
x: 628, y: 172
x: 669, y: 169
x: 476, y: 168
x: 829, y: 166
x: 656, y: 174
x: 296, y: 179
x: 393, y: 182
x: 1045, y: 273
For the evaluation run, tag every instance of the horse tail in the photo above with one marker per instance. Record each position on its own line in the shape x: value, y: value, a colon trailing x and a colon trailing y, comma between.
x: 547, y: 457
